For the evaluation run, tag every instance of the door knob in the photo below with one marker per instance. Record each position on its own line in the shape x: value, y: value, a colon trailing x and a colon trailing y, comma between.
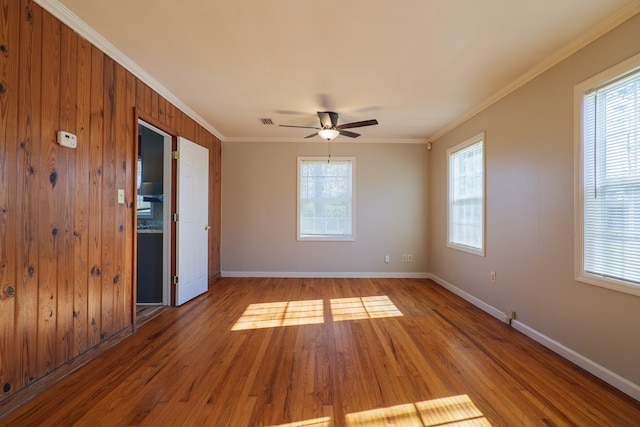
x: 206, y: 227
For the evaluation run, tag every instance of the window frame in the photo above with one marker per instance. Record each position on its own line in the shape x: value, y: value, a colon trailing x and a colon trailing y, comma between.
x: 327, y: 237
x: 581, y: 90
x: 140, y: 202
x: 479, y: 138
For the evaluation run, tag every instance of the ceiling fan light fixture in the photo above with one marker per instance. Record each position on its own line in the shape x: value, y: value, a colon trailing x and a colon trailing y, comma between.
x: 329, y: 128
x: 328, y: 134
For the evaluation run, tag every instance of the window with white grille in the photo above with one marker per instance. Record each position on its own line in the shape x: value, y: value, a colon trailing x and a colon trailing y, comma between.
x: 608, y: 188
x: 466, y: 196
x: 326, y: 198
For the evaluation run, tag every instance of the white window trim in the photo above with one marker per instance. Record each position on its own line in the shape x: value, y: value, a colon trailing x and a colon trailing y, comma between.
x: 626, y: 67
x: 462, y: 145
x: 139, y: 197
x: 349, y: 238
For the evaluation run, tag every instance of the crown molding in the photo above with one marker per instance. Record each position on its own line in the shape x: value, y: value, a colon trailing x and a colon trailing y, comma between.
x: 338, y: 141
x: 74, y: 22
x: 67, y: 17
x: 595, y: 33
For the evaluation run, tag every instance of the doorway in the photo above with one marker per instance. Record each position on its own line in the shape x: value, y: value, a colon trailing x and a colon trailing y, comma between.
x: 153, y: 219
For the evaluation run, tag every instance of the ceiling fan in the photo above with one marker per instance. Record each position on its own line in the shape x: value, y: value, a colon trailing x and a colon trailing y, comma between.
x: 330, y: 129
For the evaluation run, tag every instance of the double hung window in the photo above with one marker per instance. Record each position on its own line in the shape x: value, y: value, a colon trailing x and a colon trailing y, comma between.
x: 466, y: 196
x: 608, y: 188
x: 326, y: 198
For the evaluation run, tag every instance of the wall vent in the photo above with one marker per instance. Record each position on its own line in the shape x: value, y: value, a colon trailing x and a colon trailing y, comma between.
x: 266, y: 121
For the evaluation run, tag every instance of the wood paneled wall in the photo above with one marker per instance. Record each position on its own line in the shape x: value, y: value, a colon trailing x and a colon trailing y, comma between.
x: 66, y: 245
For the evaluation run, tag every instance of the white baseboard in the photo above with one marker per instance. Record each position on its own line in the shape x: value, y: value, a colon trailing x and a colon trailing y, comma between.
x: 326, y: 274
x: 613, y: 379
x: 585, y: 363
x: 466, y: 296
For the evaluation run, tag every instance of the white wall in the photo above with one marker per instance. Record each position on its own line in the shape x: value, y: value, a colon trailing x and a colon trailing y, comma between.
x: 259, y: 211
x: 530, y: 219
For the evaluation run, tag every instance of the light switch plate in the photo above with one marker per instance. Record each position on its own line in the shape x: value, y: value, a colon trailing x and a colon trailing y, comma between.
x: 121, y: 196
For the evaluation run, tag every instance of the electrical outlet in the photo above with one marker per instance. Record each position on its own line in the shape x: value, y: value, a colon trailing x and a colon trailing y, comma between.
x: 493, y: 277
x: 410, y: 258
x: 387, y: 259
x: 405, y: 258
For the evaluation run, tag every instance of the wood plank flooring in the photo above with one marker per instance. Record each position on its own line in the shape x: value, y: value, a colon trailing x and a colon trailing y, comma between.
x: 144, y: 312
x: 328, y: 352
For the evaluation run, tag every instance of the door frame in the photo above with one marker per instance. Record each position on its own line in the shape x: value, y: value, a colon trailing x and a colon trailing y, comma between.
x: 169, y: 229
x: 168, y: 196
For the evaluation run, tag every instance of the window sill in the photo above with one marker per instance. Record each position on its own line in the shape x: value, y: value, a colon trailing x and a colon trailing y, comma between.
x: 325, y: 239
x: 467, y: 249
x: 613, y: 284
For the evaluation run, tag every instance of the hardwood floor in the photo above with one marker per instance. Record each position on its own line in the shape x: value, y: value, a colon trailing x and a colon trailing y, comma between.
x: 145, y: 312
x: 328, y: 352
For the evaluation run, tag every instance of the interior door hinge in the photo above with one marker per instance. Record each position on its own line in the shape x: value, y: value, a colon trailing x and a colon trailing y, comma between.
x: 175, y: 155
x: 174, y: 217
x: 175, y: 280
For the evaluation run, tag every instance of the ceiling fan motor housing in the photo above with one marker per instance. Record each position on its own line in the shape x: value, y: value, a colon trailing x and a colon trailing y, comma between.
x: 329, y: 128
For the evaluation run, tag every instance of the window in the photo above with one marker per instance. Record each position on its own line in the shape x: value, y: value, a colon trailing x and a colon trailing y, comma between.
x: 144, y: 208
x: 608, y: 188
x: 325, y: 198
x: 466, y: 196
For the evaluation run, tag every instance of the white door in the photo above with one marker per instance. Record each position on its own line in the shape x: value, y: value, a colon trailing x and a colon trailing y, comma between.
x: 192, y: 228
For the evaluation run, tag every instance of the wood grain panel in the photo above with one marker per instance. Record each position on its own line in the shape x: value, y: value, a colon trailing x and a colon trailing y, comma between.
x: 435, y: 360
x: 48, y: 177
x: 188, y: 128
x: 171, y: 116
x: 154, y: 105
x: 147, y: 94
x: 216, y: 207
x: 66, y: 247
x: 179, y: 125
x: 162, y: 110
x: 65, y: 198
x: 120, y: 304
x: 108, y: 200
x: 28, y: 161
x: 131, y: 155
x: 96, y: 138
x: 139, y: 95
x: 81, y: 200
x: 9, y: 30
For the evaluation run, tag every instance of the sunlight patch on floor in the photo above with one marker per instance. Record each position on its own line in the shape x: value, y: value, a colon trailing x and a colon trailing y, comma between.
x: 276, y: 314
x: 457, y: 411
x: 363, y: 308
x: 295, y: 313
x: 317, y: 422
x: 454, y: 411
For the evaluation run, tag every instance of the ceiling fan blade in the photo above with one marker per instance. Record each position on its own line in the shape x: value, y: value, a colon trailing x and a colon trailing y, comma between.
x: 349, y: 133
x: 303, y: 127
x: 327, y: 118
x: 334, y: 118
x: 311, y: 136
x: 357, y: 124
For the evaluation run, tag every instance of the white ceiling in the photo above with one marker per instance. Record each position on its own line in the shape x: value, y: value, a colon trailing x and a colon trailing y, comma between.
x: 417, y: 66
